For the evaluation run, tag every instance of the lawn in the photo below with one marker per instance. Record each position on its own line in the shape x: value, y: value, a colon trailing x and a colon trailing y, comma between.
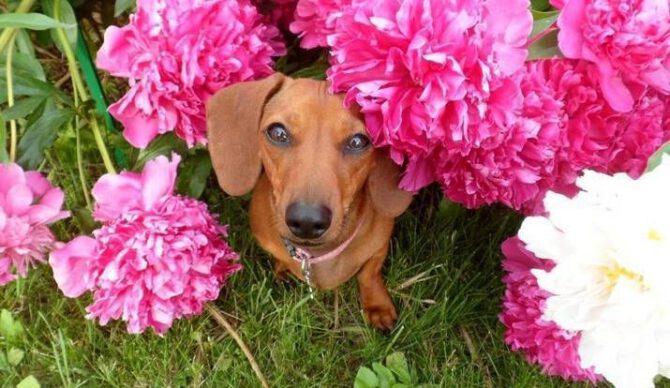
x: 443, y: 273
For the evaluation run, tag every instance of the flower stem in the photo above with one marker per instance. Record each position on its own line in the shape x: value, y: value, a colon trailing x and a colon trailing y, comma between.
x: 81, y: 90
x: 218, y: 317
x: 80, y: 167
x: 10, y: 100
x: 101, y: 146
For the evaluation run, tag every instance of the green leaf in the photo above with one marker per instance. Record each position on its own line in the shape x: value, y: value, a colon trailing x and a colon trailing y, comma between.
x: 26, y: 85
x: 386, y: 377
x: 23, y: 107
x: 122, y: 5
x: 397, y: 363
x: 14, y: 356
x: 27, y: 64
x: 540, y: 5
x: 545, y: 47
x: 9, y: 328
x: 29, y: 382
x: 66, y: 16
x: 194, y: 174
x: 31, y: 21
x: 24, y: 44
x: 4, y: 157
x: 23, y: 65
x: 162, y: 145
x: 3, y: 361
x: 41, y: 134
x: 656, y: 159
x: 546, y: 20
x: 316, y: 71
x: 365, y: 378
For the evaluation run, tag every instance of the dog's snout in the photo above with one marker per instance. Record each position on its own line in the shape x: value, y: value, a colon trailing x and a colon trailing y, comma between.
x: 308, y: 221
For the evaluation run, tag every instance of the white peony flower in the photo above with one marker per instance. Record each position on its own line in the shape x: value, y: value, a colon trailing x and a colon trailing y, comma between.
x: 611, y: 246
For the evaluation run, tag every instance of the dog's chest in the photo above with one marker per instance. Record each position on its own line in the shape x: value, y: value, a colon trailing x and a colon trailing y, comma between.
x: 332, y: 273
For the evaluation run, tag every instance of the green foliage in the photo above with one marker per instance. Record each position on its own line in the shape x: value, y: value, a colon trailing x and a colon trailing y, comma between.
x: 26, y: 84
x: 545, y: 47
x: 41, y: 134
x: 4, y: 158
x: 67, y: 16
x: 120, y: 6
x: 162, y: 145
x: 194, y: 174
x: 28, y: 382
x: 540, y: 5
x: 11, y: 330
x: 395, y: 374
x: 31, y: 21
x: 657, y: 157
x: 542, y: 21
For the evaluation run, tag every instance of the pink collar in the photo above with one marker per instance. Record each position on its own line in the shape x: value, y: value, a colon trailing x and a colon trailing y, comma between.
x: 300, y: 254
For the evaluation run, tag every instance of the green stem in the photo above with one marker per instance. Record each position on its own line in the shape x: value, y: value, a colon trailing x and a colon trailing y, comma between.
x: 81, y: 89
x: 10, y: 101
x: 8, y: 34
x: 101, y: 146
x: 80, y: 167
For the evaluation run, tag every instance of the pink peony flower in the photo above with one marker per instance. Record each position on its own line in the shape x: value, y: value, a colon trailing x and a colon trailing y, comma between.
x: 315, y: 20
x: 158, y: 256
x: 516, y: 165
x: 563, y: 127
x: 596, y: 136
x: 28, y: 203
x: 628, y: 40
x: 6, y: 275
x: 177, y: 53
x: 430, y: 75
x: 542, y: 342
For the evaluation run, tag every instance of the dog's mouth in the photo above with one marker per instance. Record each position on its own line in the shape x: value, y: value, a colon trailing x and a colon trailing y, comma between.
x: 304, y: 243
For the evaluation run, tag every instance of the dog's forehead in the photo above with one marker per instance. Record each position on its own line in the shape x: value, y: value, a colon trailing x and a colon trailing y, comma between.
x: 309, y: 95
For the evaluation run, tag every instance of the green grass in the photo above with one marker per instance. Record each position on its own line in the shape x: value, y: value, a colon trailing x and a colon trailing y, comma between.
x: 447, y: 328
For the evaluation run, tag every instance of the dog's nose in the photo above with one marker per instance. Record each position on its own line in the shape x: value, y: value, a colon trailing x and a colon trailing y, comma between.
x: 308, y: 221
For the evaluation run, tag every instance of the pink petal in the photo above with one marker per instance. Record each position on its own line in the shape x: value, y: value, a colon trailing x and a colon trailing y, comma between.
x: 10, y: 175
x: 139, y: 130
x: 113, y: 55
x: 18, y: 200
x: 6, y: 275
x: 37, y: 183
x: 73, y: 265
x: 616, y: 93
x: 116, y: 193
x: 570, y: 22
x: 158, y: 179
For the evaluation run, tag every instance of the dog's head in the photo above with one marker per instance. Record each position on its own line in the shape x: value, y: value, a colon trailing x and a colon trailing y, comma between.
x: 315, y: 153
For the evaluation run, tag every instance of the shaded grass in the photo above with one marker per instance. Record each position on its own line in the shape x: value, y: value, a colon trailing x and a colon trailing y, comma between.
x: 447, y: 326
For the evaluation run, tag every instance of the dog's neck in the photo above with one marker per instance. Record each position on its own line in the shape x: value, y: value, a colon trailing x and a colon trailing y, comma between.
x: 299, y: 253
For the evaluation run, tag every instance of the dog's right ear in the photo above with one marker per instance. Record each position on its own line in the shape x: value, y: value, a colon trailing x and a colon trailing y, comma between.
x: 233, y: 117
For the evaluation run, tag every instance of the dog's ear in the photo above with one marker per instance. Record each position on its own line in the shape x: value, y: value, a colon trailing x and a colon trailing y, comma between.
x: 387, y: 198
x: 233, y: 117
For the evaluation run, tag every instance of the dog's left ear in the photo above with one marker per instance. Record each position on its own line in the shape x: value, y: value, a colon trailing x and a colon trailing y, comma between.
x: 233, y: 117
x: 387, y: 198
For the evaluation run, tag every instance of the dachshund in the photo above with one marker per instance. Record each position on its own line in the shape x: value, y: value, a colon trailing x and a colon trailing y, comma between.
x: 324, y: 200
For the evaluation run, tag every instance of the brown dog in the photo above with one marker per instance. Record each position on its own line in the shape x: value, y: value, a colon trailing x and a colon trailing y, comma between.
x: 319, y: 185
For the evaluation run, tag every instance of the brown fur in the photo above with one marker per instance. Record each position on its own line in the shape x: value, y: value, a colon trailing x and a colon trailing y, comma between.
x: 355, y: 187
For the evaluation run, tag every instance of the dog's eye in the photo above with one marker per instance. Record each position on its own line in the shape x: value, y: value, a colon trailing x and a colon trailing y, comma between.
x: 357, y: 143
x: 278, y: 134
